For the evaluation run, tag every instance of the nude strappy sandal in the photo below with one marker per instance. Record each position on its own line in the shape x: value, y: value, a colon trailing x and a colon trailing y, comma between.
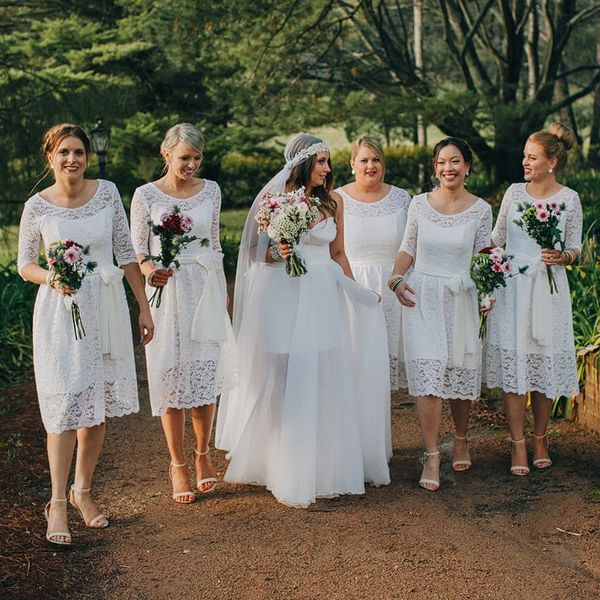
x: 98, y: 522
x: 431, y: 485
x: 177, y: 495
x: 467, y: 464
x: 206, y: 480
x: 52, y: 536
x: 542, y: 463
x: 518, y: 470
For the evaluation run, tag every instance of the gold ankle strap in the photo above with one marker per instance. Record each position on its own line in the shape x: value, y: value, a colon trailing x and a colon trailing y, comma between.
x: 202, y: 453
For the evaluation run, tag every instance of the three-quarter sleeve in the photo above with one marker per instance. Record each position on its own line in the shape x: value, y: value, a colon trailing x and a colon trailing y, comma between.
x: 29, y: 238
x: 140, y: 227
x: 409, y: 240
x: 215, y: 241
x: 574, y: 224
x: 499, y: 231
x: 122, y: 246
x: 483, y: 236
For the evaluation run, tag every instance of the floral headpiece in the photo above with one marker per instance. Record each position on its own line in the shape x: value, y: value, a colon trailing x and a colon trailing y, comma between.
x: 306, y: 153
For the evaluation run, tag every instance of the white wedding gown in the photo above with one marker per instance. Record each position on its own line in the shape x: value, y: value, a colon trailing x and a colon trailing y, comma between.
x: 311, y: 416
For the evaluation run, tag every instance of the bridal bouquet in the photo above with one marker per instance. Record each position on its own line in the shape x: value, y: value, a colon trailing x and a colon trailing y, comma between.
x: 68, y: 266
x: 540, y: 221
x: 284, y: 218
x: 172, y: 232
x: 490, y: 269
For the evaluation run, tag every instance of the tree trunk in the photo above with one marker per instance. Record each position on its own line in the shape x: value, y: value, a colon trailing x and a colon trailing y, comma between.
x: 418, y: 50
x: 593, y: 158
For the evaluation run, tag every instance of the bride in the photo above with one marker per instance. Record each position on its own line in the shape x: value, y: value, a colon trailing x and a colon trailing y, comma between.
x: 311, y: 415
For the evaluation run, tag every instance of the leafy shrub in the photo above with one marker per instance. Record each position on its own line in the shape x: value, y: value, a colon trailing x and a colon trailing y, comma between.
x: 16, y: 299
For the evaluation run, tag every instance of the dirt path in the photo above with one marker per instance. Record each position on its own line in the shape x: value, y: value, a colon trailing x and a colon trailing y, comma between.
x: 485, y: 534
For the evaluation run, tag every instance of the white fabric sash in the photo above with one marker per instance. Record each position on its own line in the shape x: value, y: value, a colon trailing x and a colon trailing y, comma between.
x: 112, y: 340
x: 465, y: 334
x: 210, y: 322
x: 541, y: 301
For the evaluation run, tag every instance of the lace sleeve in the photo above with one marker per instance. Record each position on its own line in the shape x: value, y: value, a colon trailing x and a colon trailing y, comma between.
x: 122, y: 246
x: 140, y: 229
x: 499, y: 232
x: 29, y: 238
x: 574, y: 224
x: 484, y: 229
x: 215, y: 241
x: 409, y: 240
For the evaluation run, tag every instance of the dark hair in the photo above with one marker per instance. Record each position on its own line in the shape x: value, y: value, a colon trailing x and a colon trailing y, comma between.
x: 301, y: 175
x: 459, y: 143
x: 54, y: 136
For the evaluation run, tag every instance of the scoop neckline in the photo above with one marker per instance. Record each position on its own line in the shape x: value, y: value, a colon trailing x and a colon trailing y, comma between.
x: 564, y: 187
x: 180, y: 199
x: 367, y: 203
x: 462, y: 212
x: 87, y: 203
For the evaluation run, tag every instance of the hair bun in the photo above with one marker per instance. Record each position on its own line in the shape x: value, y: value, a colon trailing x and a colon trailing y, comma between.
x: 563, y: 133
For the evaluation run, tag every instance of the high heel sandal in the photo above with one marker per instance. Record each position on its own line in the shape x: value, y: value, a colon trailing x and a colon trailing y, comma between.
x: 542, y: 463
x: 98, y: 522
x: 206, y: 480
x: 519, y: 470
x: 430, y: 485
x: 462, y: 463
x: 177, y: 495
x: 52, y: 536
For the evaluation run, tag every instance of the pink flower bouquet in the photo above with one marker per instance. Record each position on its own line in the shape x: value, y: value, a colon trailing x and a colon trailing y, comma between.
x: 68, y: 266
x: 490, y: 269
x: 540, y: 221
x: 172, y: 232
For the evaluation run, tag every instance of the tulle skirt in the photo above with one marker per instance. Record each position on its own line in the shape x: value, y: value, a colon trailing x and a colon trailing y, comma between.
x: 311, y: 416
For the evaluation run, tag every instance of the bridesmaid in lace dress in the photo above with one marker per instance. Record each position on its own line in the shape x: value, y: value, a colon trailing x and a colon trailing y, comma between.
x: 440, y: 321
x: 530, y: 345
x: 374, y: 222
x: 186, y: 364
x: 80, y: 382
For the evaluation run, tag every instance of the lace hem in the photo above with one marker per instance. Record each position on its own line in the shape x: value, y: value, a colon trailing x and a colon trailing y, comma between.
x: 553, y: 376
x: 89, y: 407
x: 430, y: 377
x: 185, y: 386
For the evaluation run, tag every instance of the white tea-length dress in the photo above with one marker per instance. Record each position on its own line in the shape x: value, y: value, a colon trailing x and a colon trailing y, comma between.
x: 372, y: 236
x: 529, y: 344
x: 315, y: 347
x: 82, y: 382
x: 441, y: 333
x: 189, y: 361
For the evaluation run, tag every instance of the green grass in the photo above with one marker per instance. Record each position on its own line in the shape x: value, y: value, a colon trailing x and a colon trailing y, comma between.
x: 232, y: 223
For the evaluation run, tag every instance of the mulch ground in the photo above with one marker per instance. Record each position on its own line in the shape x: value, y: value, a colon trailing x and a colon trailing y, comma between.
x: 484, y: 534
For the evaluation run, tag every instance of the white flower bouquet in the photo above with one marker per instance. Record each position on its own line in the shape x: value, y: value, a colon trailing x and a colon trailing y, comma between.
x: 284, y: 218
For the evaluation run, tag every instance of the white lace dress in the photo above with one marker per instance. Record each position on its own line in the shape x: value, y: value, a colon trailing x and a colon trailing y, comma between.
x: 78, y: 384
x: 185, y: 370
x: 529, y: 345
x: 441, y: 333
x: 311, y: 417
x: 372, y: 236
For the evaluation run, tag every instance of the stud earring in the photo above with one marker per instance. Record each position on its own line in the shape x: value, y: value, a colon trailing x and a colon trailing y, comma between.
x: 467, y: 173
x: 353, y: 172
x: 550, y: 170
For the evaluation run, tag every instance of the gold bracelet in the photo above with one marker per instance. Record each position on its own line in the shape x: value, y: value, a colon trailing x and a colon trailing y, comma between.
x: 394, y: 281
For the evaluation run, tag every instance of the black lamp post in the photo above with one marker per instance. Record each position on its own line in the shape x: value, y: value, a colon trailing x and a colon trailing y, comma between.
x: 100, y: 137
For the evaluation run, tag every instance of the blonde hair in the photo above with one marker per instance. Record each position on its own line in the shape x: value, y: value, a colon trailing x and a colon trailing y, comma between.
x: 182, y: 132
x: 372, y: 144
x: 555, y: 142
